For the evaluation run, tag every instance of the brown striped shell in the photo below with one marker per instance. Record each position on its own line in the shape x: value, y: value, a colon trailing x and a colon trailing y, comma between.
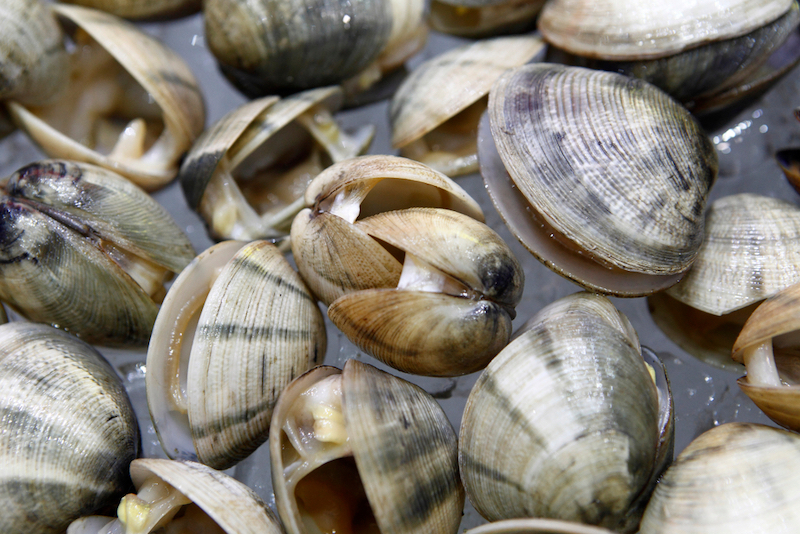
x: 67, y: 434
x: 235, y: 328
x: 360, y: 450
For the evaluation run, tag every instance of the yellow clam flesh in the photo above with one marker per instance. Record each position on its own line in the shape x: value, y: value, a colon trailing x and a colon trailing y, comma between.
x: 362, y: 451
x: 87, y: 251
x: 235, y: 328
x: 481, y: 18
x: 246, y: 175
x: 67, y: 434
x: 131, y: 105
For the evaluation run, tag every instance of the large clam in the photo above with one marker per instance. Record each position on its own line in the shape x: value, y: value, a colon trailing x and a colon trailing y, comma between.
x: 246, y: 175
x: 750, y: 253
x: 236, y: 327
x: 86, y: 250
x: 480, y: 18
x: 362, y: 451
x: 67, y: 434
x: 434, y: 113
x: 690, y: 49
x: 566, y: 422
x: 131, y: 105
x: 602, y: 177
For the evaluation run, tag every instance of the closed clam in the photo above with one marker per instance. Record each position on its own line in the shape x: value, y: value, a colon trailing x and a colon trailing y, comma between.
x: 749, y: 253
x: 692, y: 50
x: 68, y: 431
x: 246, y: 175
x: 603, y: 178
x: 566, y: 422
x: 86, y: 250
x: 435, y: 111
x: 360, y: 450
x: 737, y: 477
x: 451, y: 311
x: 33, y: 60
x: 480, y: 18
x: 332, y: 254
x: 142, y: 9
x: 235, y: 328
x: 175, y: 496
x: 267, y: 47
x: 131, y: 105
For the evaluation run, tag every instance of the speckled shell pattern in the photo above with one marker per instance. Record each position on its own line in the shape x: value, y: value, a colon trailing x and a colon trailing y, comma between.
x: 563, y: 423
x: 232, y: 505
x: 750, y: 253
x: 63, y: 228
x: 142, y: 9
x: 275, y: 46
x: 33, y: 60
x: 67, y: 432
x: 737, y: 477
x: 404, y: 447
x: 613, y: 164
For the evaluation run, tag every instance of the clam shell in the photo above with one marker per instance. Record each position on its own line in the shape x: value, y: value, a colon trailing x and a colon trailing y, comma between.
x: 142, y: 9
x: 68, y: 431
x: 736, y: 477
x: 615, y: 172
x: 160, y: 72
x: 403, y: 445
x: 482, y: 18
x: 536, y: 526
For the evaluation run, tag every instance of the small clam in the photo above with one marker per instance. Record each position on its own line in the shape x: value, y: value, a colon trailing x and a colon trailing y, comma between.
x: 602, y: 177
x: 362, y: 451
x: 750, y: 253
x: 435, y: 111
x: 67, y: 434
x: 236, y: 327
x: 481, y: 18
x: 567, y: 422
x: 247, y: 173
x: 142, y: 9
x: 177, y: 497
x: 734, y: 478
x: 333, y: 255
x: 452, y: 309
x: 131, y: 105
x: 87, y: 251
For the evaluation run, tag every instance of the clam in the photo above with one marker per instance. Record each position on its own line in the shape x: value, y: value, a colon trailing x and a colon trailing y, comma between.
x: 536, y: 526
x: 691, y: 50
x: 360, y: 450
x: 749, y: 253
x: 451, y: 311
x: 131, y: 105
x: 87, y: 251
x: 265, y: 47
x: 435, y: 111
x: 246, y: 175
x: 142, y: 9
x: 602, y: 177
x: 177, y: 497
x: 737, y: 477
x: 236, y: 327
x: 567, y: 422
x: 333, y: 255
x: 481, y: 18
x: 33, y: 60
x: 767, y: 346
x: 68, y: 431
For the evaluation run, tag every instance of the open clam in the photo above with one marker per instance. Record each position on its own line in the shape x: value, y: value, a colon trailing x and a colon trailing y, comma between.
x: 246, y: 175
x: 86, y: 250
x: 602, y: 177
x: 236, y: 327
x: 362, y: 451
x: 131, y: 105
x: 435, y: 111
x: 67, y: 434
x: 567, y: 422
x: 481, y: 18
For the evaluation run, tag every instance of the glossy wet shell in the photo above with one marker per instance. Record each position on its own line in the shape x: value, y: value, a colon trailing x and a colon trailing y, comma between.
x: 404, y: 447
x: 68, y: 431
x: 33, y: 60
x: 483, y: 18
x: 142, y: 9
x: 613, y: 165
x: 564, y: 422
x: 736, y: 477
